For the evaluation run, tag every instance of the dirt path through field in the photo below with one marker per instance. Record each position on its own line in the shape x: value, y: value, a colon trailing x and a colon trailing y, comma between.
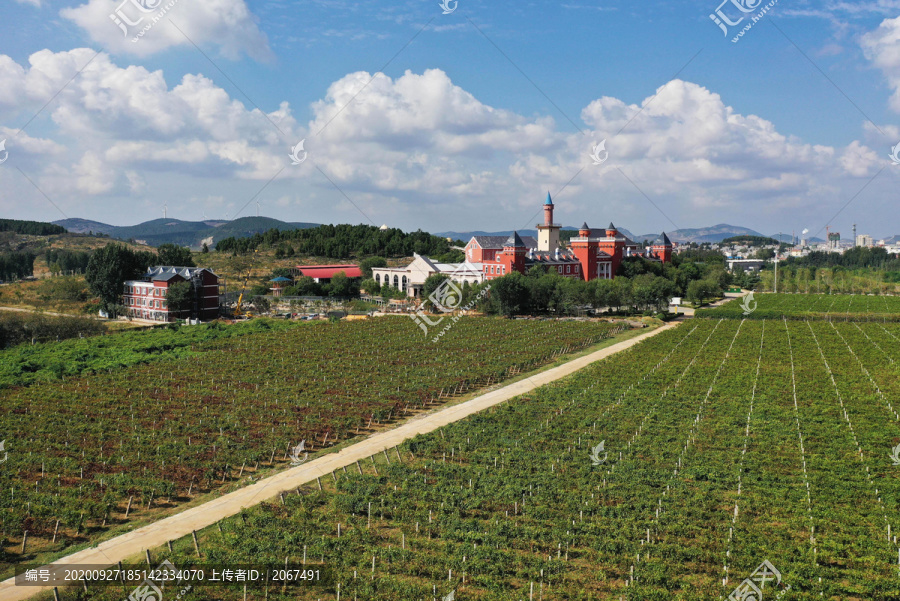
x: 182, y: 524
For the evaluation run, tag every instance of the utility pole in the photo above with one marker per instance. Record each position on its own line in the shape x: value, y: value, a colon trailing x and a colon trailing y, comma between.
x: 777, y: 249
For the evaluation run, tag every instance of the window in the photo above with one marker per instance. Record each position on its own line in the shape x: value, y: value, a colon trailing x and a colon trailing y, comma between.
x: 559, y: 269
x: 568, y: 269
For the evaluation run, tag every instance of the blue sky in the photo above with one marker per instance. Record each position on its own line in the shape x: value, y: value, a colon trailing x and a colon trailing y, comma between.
x: 476, y: 115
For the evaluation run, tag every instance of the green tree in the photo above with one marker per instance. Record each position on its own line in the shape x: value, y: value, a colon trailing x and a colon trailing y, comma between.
x: 765, y: 254
x: 366, y: 265
x: 510, y: 294
x: 172, y: 254
x: 180, y: 297
x: 701, y: 290
x: 262, y: 304
x: 342, y: 286
x: 108, y: 269
x: 205, y: 248
x: 433, y: 283
x: 370, y: 286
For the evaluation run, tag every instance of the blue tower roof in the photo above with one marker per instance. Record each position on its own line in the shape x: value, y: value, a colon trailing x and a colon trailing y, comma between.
x: 549, y: 200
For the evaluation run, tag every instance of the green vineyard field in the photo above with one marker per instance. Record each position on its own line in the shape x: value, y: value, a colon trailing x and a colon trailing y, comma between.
x: 847, y: 307
x: 726, y: 443
x: 88, y: 452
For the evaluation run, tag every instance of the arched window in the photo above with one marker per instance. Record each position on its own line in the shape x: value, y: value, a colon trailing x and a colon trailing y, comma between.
x: 378, y: 279
x: 404, y: 284
x: 396, y: 282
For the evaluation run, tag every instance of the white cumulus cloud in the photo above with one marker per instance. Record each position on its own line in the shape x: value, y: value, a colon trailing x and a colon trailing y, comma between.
x: 882, y: 47
x: 226, y: 24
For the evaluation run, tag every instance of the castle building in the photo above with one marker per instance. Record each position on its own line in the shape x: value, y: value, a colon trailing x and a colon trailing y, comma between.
x: 591, y: 255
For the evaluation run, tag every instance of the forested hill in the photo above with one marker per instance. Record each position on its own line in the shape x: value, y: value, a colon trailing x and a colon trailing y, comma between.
x: 30, y: 228
x: 340, y: 242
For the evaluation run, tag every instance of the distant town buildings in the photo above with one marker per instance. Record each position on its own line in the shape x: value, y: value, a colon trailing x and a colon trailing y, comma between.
x: 147, y: 298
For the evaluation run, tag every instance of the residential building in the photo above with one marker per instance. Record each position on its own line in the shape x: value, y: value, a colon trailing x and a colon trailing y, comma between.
x: 147, y: 298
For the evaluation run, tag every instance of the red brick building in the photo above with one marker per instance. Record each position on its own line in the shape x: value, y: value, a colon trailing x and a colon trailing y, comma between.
x: 591, y: 255
x: 146, y: 298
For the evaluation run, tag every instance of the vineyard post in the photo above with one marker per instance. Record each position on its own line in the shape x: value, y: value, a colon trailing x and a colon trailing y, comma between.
x: 319, y: 482
x: 359, y: 467
x: 147, y: 557
x: 55, y: 594
x: 24, y: 541
x: 128, y: 509
x: 56, y: 530
x: 196, y: 544
x: 122, y: 572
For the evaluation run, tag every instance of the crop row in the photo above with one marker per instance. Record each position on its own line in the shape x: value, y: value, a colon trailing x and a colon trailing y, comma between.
x: 840, y: 307
x: 85, y: 455
x: 726, y: 443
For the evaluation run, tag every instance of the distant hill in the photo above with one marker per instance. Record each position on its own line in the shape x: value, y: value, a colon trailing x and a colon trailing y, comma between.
x: 716, y: 233
x: 466, y: 236
x: 183, y: 233
x: 83, y: 226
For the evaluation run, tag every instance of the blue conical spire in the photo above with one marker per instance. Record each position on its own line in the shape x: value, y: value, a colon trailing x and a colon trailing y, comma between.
x: 549, y: 200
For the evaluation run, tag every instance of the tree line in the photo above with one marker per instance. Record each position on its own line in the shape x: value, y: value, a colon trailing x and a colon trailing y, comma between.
x: 66, y: 261
x: 339, y: 242
x: 31, y: 228
x: 852, y: 258
x: 16, y: 265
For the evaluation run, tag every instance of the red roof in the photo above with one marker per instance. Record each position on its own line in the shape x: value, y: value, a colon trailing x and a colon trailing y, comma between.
x: 329, y: 271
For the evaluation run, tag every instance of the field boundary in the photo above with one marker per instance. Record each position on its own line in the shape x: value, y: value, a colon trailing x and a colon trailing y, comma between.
x: 134, y: 543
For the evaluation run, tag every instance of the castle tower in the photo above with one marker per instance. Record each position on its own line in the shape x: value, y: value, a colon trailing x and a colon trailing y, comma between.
x: 586, y: 252
x: 662, y: 248
x: 548, y: 232
x: 513, y: 255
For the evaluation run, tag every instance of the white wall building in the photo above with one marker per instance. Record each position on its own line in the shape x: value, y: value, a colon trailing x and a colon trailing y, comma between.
x: 411, y: 279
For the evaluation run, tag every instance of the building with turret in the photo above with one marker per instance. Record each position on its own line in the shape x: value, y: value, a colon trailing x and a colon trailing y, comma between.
x: 591, y: 255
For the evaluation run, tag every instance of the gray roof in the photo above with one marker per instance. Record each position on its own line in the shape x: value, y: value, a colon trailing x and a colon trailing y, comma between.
x: 663, y: 240
x: 499, y: 241
x: 514, y: 241
x: 164, y: 273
